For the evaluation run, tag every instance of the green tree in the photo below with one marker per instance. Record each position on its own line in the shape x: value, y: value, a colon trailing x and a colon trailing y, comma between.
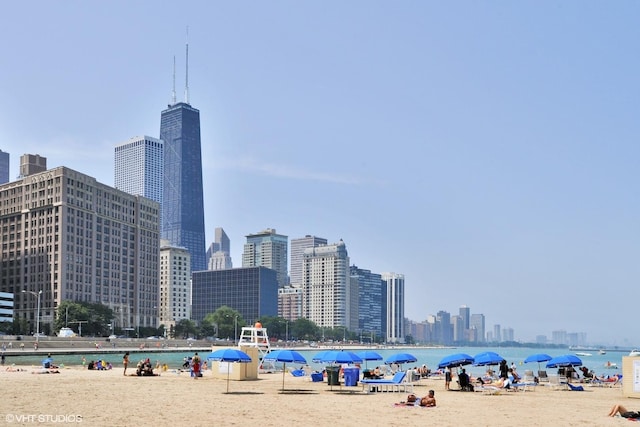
x: 93, y: 318
x: 228, y: 320
x: 207, y: 327
x: 304, y: 329
x: 185, y: 328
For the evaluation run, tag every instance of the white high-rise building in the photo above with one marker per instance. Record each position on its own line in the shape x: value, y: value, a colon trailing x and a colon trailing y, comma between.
x: 175, y: 284
x: 138, y: 167
x: 327, y: 286
x: 267, y: 249
x: 395, y: 307
x: 298, y: 246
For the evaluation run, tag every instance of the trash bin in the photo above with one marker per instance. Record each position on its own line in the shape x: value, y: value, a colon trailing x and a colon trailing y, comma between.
x: 333, y: 375
x: 351, y: 376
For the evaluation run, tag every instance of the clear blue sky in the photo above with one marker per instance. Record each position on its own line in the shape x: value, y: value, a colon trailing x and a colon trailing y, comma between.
x: 486, y: 150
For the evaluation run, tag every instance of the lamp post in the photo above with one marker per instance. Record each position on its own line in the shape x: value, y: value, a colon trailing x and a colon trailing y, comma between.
x: 37, y: 294
x: 286, y: 332
x: 235, y: 328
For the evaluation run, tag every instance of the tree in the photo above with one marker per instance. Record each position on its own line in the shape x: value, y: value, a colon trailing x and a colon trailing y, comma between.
x: 228, y: 320
x: 184, y: 328
x: 304, y: 329
x: 94, y: 318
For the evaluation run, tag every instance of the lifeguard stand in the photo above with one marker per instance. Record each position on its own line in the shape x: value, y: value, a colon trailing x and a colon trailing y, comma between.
x: 256, y: 337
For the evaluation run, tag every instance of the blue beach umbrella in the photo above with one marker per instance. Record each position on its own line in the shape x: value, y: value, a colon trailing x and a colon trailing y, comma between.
x: 401, y: 358
x: 229, y: 355
x: 487, y: 358
x: 538, y: 357
x: 284, y: 356
x: 337, y: 357
x: 564, y: 361
x: 369, y: 355
x: 454, y: 360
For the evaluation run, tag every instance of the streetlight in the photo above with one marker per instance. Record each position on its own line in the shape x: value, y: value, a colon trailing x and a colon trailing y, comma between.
x: 286, y: 331
x: 235, y: 328
x: 37, y: 294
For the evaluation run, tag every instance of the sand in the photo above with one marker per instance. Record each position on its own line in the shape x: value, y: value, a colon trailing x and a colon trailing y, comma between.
x: 107, y: 398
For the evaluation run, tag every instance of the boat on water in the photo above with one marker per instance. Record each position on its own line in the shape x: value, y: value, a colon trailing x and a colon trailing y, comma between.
x: 601, y: 351
x: 583, y: 354
x: 634, y: 353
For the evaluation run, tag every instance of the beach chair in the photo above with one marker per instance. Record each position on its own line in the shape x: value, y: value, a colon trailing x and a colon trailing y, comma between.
x: 543, y: 378
x: 528, y: 382
x: 487, y: 389
x: 397, y: 383
x: 558, y: 382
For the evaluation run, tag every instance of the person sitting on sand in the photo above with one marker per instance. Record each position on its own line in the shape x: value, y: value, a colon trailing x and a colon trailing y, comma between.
x: 619, y: 409
x: 463, y: 380
x: 429, y: 400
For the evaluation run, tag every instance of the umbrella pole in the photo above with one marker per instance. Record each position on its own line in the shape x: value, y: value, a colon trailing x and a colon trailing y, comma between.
x: 284, y: 368
x: 227, y: 378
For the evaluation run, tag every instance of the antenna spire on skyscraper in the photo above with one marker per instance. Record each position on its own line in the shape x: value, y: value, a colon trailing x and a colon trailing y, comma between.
x: 173, y: 92
x: 186, y: 81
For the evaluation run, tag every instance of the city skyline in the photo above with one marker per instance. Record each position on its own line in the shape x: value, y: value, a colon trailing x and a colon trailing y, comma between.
x: 485, y: 151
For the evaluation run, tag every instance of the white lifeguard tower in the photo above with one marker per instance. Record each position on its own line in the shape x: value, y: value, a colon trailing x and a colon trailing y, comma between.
x: 256, y: 337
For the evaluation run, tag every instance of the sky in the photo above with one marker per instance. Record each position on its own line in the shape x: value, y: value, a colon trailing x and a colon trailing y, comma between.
x: 487, y: 150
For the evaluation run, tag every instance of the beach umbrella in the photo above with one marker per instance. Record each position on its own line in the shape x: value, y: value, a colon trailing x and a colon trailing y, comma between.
x: 284, y: 356
x: 369, y: 355
x: 229, y: 355
x: 401, y: 358
x: 538, y: 357
x: 487, y: 358
x: 564, y: 361
x: 454, y: 360
x: 337, y: 357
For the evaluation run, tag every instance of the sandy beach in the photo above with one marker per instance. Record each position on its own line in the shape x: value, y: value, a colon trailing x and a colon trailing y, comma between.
x: 107, y: 398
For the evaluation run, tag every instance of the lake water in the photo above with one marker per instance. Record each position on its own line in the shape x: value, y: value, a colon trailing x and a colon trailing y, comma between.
x: 429, y: 356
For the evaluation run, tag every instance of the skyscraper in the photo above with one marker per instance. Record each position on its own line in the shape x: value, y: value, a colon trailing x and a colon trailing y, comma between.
x: 182, y: 199
x: 218, y: 254
x: 138, y: 167
x: 298, y: 247
x: 267, y: 249
x: 369, y: 300
x: 326, y: 297
x: 4, y: 167
x: 394, y: 284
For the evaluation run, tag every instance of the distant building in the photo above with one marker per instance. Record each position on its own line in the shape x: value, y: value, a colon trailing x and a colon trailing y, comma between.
x: 6, y: 307
x: 175, y: 285
x: 497, y: 333
x: 298, y: 246
x: 267, y: 249
x: 443, y: 330
x: 508, y: 334
x: 218, y: 254
x: 139, y: 167
x: 394, y: 284
x: 4, y: 167
x: 370, y: 302
x: 252, y: 291
x: 182, y: 198
x: 326, y: 298
x: 477, y: 322
x: 290, y: 303
x: 31, y: 164
x: 75, y: 239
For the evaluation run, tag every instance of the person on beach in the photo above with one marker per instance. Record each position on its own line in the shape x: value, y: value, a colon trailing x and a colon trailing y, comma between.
x: 619, y: 409
x: 447, y: 377
x: 429, y: 400
x: 504, y: 369
x: 195, y: 366
x: 125, y: 362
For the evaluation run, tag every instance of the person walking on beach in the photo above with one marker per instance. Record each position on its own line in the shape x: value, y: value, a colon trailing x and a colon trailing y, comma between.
x: 125, y: 362
x: 447, y: 377
x: 195, y: 366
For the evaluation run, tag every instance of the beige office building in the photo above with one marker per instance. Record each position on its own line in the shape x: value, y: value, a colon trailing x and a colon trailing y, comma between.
x: 175, y: 284
x: 73, y: 238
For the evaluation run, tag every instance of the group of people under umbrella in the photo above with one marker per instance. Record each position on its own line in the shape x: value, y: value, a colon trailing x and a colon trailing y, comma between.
x: 342, y: 357
x: 507, y: 375
x: 331, y: 357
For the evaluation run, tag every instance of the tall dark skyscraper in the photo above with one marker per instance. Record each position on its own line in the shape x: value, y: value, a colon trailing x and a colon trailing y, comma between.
x: 182, y: 201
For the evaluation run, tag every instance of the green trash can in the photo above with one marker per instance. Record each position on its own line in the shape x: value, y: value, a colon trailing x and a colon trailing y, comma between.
x: 333, y: 375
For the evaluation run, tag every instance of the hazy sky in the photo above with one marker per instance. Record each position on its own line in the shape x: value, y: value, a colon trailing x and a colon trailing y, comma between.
x: 488, y: 150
